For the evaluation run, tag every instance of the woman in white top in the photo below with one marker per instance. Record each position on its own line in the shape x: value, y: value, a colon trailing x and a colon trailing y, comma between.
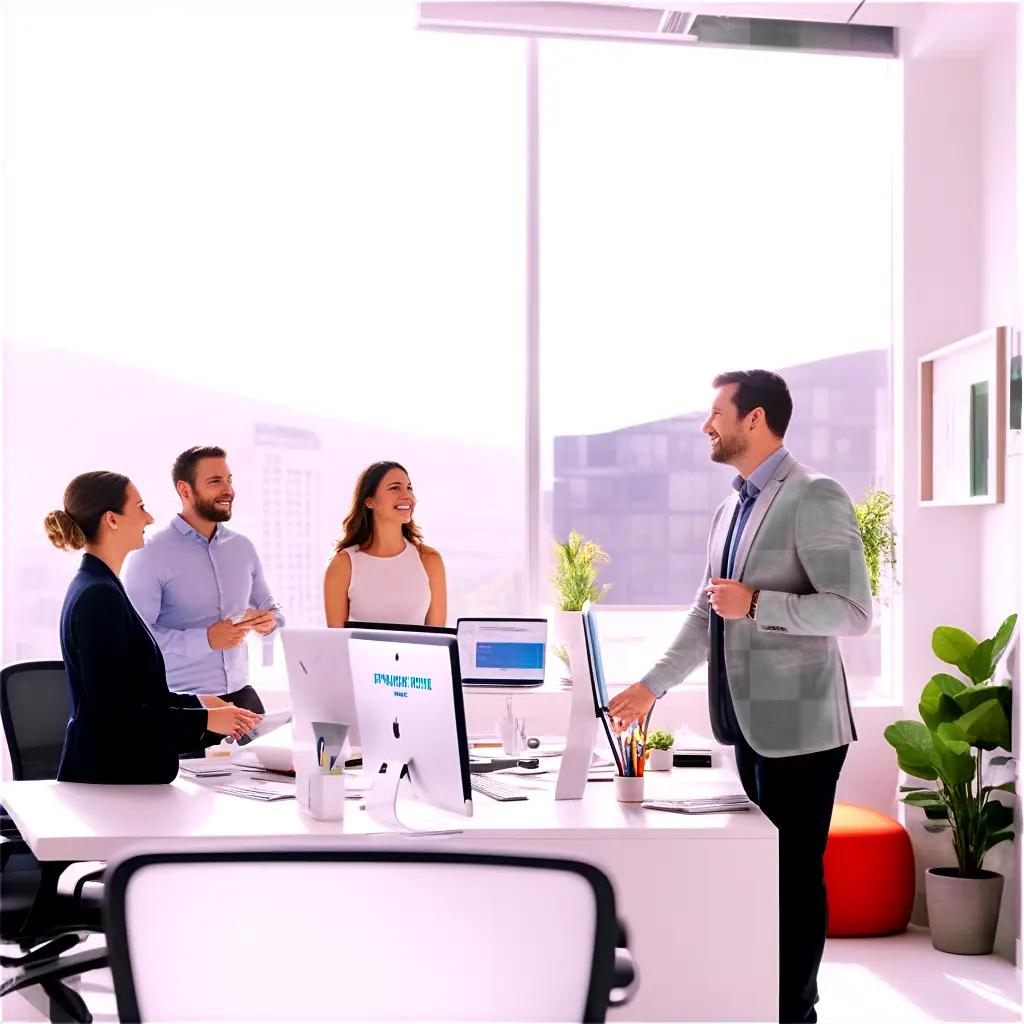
x: 382, y: 571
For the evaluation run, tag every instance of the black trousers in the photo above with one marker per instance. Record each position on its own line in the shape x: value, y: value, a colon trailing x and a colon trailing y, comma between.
x: 796, y: 794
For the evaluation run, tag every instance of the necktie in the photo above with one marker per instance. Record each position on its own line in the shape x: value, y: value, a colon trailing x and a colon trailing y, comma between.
x: 746, y: 504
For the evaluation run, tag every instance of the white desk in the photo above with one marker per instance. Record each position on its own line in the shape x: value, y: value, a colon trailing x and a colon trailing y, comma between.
x: 698, y: 894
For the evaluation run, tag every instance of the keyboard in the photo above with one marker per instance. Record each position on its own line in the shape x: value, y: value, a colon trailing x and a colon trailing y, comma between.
x: 495, y: 788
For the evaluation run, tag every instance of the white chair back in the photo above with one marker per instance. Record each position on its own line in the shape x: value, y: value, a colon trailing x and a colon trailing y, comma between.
x: 359, y: 936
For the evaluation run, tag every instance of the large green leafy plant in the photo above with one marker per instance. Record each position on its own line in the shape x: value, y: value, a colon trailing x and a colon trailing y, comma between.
x: 575, y: 576
x: 960, y: 720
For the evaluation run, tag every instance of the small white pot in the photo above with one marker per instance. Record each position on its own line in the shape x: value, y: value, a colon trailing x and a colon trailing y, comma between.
x: 629, y: 789
x: 659, y: 761
x: 568, y: 633
x: 325, y: 799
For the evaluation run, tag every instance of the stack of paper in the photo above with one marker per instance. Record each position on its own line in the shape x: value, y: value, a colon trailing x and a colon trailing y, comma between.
x: 205, y: 768
x: 701, y: 805
x: 258, y: 789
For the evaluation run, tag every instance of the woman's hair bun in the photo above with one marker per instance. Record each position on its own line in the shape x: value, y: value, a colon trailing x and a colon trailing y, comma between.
x: 63, y: 531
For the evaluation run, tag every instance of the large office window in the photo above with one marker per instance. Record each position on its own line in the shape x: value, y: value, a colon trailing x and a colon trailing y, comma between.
x: 295, y: 231
x: 301, y: 232
x: 705, y: 211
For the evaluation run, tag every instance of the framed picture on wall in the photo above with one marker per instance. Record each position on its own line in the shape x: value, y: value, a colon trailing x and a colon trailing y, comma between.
x: 963, y: 397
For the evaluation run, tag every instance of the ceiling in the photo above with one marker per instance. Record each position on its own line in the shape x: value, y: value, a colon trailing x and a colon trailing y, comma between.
x: 928, y: 28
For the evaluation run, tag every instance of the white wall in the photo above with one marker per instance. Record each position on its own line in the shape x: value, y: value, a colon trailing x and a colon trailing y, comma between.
x: 1001, y: 304
x: 960, y: 276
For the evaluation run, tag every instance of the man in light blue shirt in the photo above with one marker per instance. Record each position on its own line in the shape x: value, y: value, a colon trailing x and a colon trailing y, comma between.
x: 200, y: 586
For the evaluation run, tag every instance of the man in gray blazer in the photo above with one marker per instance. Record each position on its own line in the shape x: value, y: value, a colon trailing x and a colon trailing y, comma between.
x: 785, y: 579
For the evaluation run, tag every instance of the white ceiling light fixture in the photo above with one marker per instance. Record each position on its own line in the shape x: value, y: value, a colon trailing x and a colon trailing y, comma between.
x: 660, y: 24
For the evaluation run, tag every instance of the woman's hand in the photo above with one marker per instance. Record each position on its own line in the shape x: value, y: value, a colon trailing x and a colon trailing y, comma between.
x: 209, y: 701
x: 231, y: 721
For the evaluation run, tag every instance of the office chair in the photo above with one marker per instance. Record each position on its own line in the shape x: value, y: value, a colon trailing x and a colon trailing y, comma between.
x: 34, y: 915
x: 363, y: 936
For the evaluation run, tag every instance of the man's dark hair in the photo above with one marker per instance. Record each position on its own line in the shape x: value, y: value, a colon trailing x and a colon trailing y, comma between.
x: 760, y: 388
x: 185, y: 464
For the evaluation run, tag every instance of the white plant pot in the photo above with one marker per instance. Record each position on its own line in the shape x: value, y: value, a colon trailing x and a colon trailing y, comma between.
x: 659, y: 761
x: 568, y: 634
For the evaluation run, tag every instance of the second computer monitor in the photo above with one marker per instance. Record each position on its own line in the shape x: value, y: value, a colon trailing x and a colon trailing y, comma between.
x: 595, y: 665
x: 320, y: 685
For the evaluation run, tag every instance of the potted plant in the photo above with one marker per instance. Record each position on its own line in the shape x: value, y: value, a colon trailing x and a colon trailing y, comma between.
x: 862, y: 654
x: 874, y: 519
x: 575, y: 583
x: 659, y: 750
x: 960, y: 722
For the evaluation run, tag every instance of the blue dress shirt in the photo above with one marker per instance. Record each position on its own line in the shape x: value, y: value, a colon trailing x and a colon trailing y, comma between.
x: 748, y: 490
x: 181, y: 584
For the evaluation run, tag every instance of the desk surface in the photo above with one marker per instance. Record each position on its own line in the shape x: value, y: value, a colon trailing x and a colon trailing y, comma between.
x: 75, y: 821
x: 704, y: 872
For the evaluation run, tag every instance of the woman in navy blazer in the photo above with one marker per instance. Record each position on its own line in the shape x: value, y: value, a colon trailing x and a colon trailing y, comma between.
x: 125, y: 726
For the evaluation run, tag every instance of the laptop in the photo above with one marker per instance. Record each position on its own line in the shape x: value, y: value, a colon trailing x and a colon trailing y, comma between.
x: 502, y: 652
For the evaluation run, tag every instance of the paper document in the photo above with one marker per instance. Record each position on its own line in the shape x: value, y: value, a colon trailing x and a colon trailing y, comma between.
x: 258, y: 789
x: 701, y: 805
x: 271, y: 721
x: 205, y: 768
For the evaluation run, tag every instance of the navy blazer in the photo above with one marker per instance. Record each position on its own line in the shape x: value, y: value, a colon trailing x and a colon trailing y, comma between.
x: 125, y: 726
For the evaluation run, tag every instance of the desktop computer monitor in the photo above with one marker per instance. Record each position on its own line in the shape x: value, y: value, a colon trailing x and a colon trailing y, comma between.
x: 401, y: 627
x: 412, y: 721
x: 588, y: 706
x: 502, y: 652
x: 320, y: 684
x: 595, y: 666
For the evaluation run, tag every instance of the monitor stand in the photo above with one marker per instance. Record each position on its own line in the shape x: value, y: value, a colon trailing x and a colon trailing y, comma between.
x: 579, y: 742
x: 382, y: 800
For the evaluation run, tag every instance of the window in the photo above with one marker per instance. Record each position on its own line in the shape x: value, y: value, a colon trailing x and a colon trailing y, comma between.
x: 704, y: 211
x: 310, y: 248
x: 291, y: 231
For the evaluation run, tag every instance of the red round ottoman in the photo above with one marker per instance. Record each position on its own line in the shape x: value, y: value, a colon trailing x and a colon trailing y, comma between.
x: 869, y: 873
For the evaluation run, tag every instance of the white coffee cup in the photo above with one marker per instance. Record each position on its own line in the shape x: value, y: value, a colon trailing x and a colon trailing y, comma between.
x: 629, y: 789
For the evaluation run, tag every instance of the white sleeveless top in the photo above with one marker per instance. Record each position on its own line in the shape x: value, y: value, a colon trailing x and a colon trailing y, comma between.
x: 392, y: 589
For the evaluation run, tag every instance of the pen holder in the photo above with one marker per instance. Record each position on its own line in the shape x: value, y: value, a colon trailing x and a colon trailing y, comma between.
x: 629, y: 789
x: 326, y: 797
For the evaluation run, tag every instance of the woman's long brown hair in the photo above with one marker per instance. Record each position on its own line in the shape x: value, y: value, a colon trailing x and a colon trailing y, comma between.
x: 357, y: 529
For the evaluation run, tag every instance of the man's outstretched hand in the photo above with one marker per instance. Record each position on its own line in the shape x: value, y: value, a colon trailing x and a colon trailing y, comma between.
x: 631, y: 705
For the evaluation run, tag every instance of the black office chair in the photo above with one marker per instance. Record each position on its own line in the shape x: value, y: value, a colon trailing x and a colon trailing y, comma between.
x: 34, y: 914
x: 365, y: 935
x: 34, y: 709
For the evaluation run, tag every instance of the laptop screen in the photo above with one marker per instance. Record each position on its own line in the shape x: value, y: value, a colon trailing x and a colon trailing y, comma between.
x: 505, y: 652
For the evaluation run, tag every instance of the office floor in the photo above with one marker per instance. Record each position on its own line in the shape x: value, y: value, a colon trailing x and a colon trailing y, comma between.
x: 903, y: 978
x: 898, y: 978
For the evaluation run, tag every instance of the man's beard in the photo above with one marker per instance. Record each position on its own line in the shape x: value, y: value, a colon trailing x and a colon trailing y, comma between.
x: 212, y: 512
x: 727, y: 451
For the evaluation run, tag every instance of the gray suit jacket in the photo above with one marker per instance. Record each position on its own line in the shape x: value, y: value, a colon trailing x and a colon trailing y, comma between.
x: 801, y: 547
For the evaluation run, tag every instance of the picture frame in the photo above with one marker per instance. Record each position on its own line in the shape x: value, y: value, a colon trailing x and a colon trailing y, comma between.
x: 1013, y: 438
x: 963, y: 398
